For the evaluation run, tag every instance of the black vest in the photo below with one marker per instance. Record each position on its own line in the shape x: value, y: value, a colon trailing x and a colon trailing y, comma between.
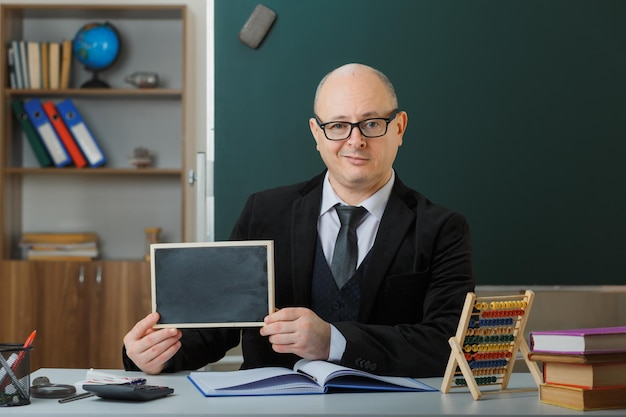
x: 327, y: 300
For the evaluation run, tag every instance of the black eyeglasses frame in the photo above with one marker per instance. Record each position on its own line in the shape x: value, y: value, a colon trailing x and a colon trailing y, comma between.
x: 358, y: 125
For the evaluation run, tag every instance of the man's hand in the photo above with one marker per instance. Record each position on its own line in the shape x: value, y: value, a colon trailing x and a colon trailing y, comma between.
x: 299, y: 331
x: 150, y: 348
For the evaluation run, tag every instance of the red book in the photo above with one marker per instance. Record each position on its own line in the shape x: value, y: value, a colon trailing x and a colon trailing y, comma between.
x: 64, y: 134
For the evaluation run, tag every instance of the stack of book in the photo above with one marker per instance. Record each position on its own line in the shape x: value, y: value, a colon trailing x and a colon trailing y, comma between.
x: 583, y: 369
x: 60, y: 246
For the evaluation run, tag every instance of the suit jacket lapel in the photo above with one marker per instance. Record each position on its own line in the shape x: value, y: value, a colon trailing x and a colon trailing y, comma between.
x: 304, y: 214
x: 399, y: 214
x: 396, y: 221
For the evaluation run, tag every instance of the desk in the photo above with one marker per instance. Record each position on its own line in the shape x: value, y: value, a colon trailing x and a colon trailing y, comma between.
x: 187, y: 401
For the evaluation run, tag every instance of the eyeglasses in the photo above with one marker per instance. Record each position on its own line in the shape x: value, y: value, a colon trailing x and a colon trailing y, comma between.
x: 370, y: 128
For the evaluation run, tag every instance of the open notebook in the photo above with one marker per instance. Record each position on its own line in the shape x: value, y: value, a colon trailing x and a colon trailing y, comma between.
x: 307, y: 377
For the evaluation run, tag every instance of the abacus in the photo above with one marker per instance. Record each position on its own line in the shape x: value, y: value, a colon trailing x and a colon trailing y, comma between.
x: 490, y: 333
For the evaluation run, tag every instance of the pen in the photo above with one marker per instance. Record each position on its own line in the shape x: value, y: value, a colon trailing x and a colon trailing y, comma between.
x: 76, y: 397
x: 15, y: 359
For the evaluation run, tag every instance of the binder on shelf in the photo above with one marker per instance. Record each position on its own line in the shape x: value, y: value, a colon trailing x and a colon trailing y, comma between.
x: 45, y: 67
x: 40, y: 121
x: 66, y: 62
x: 31, y: 134
x: 85, y: 139
x: 24, y: 64
x: 19, y: 80
x: 54, y: 59
x: 34, y: 65
x: 64, y: 134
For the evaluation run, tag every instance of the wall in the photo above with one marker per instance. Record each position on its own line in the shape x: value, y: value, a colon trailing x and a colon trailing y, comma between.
x: 569, y: 307
x: 516, y: 118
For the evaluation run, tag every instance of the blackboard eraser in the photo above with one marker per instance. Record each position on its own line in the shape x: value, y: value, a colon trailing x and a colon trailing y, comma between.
x: 257, y: 26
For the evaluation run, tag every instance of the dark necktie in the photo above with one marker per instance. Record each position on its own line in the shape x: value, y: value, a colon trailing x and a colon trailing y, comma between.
x: 345, y: 255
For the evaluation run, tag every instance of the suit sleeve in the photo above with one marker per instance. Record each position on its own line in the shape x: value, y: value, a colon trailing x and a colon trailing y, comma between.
x: 199, y: 348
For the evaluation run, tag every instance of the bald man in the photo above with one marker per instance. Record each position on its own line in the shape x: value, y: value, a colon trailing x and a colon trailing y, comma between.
x: 403, y: 299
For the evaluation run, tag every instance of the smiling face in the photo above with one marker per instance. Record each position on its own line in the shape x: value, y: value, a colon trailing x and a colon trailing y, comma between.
x: 357, y: 166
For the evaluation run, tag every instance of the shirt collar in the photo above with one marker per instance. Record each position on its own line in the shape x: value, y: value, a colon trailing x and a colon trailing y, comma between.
x: 375, y: 204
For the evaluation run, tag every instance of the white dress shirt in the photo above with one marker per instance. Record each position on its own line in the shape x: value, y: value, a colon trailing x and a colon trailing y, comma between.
x: 328, y: 225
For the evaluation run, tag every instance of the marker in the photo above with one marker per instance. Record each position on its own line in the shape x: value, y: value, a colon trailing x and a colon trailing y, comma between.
x: 30, y: 339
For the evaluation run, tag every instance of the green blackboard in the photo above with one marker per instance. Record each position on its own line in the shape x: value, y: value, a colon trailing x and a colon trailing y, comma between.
x: 517, y: 118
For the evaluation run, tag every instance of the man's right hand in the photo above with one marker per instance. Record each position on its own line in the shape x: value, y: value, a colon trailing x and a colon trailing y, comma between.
x: 150, y: 348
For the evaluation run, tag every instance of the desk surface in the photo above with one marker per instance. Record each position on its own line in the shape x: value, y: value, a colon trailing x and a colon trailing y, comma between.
x: 187, y: 401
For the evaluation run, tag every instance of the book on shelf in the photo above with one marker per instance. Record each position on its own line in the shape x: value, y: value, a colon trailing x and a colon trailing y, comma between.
x: 61, y: 254
x: 84, y: 137
x: 45, y: 246
x: 34, y: 64
x: 11, y: 65
x: 66, y: 63
x: 24, y: 64
x: 45, y: 66
x: 64, y: 134
x: 306, y: 377
x: 74, y: 258
x: 31, y: 134
x: 590, y: 340
x: 596, y: 375
x: 61, y: 238
x: 17, y: 63
x: 583, y: 398
x: 48, y: 135
x: 54, y: 60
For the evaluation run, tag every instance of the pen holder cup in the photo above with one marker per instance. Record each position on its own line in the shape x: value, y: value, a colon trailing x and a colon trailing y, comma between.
x: 14, y: 375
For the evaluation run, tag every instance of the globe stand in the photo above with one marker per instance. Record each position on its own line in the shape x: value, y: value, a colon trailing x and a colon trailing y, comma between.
x: 95, y: 82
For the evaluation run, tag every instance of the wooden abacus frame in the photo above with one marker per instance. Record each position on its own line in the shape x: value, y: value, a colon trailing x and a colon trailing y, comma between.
x: 484, y: 349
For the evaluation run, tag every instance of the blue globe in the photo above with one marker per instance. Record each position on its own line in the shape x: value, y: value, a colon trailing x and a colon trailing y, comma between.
x: 96, y: 45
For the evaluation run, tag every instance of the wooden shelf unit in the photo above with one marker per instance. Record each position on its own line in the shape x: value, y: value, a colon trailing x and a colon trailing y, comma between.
x: 82, y: 310
x: 121, y: 117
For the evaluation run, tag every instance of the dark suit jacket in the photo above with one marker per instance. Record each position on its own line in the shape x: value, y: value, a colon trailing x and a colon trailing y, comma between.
x: 413, y: 289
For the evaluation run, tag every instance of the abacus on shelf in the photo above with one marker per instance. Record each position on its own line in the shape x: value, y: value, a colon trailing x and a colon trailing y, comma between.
x: 490, y: 333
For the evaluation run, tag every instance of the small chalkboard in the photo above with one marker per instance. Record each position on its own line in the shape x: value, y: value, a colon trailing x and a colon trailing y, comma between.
x: 212, y: 284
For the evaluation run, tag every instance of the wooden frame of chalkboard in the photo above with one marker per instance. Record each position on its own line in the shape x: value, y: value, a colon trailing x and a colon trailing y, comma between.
x: 212, y: 284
